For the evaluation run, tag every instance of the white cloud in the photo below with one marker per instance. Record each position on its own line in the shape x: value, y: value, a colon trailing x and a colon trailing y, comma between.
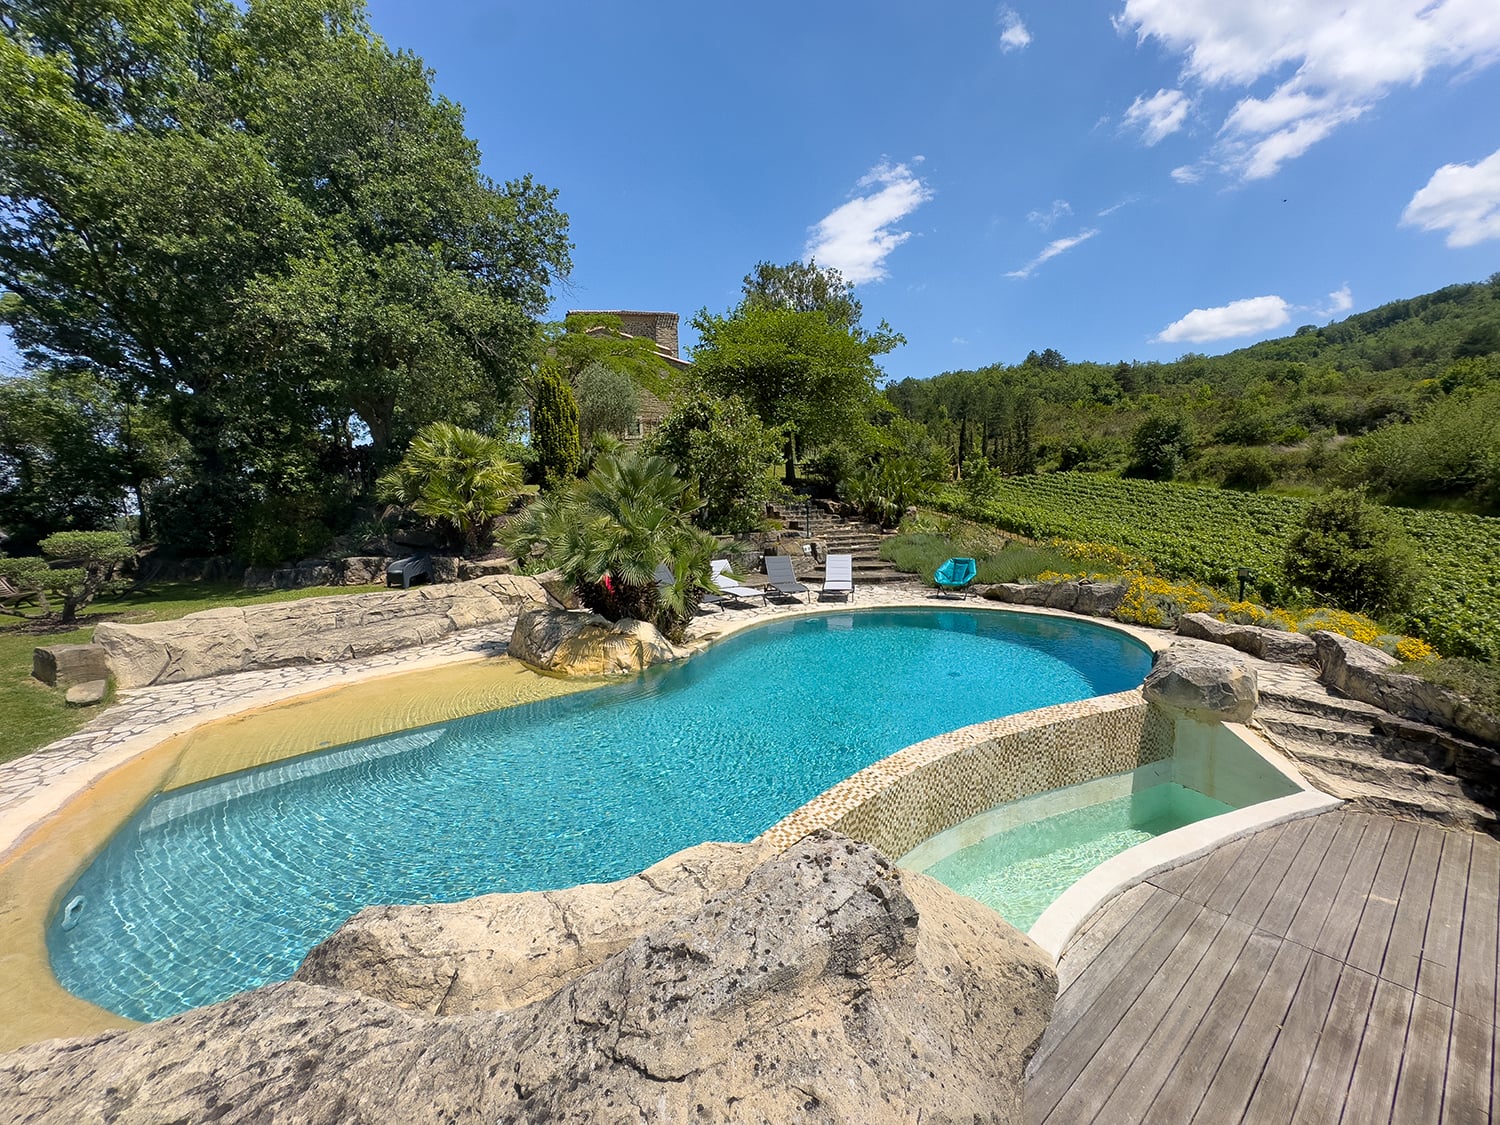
x: 1060, y: 208
x: 1238, y: 318
x: 1113, y: 207
x: 1187, y: 174
x: 1158, y: 116
x: 1462, y: 199
x: 1328, y: 61
x: 856, y: 238
x: 1054, y: 248
x: 1340, y: 300
x: 1013, y: 33
x: 960, y: 340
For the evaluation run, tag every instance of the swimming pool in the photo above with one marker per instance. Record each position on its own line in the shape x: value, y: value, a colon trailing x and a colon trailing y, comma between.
x: 225, y: 886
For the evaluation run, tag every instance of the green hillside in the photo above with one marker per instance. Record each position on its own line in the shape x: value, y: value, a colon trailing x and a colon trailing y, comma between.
x: 1404, y: 399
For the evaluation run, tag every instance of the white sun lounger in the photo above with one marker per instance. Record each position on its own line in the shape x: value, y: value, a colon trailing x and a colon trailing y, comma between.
x: 838, y: 575
x: 731, y: 588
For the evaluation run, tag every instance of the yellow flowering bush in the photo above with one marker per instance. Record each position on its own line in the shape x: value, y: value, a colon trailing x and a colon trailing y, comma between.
x: 1354, y: 625
x: 1412, y: 649
x: 1248, y: 613
x: 1150, y: 600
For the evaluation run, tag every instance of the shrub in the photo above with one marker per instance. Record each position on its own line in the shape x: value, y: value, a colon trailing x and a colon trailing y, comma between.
x: 1351, y: 555
x: 723, y: 448
x: 1160, y: 446
x: 90, y: 558
x: 457, y: 478
x: 608, y: 533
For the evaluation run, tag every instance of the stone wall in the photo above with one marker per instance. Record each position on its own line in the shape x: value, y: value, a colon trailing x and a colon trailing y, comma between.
x: 928, y: 788
x: 311, y: 631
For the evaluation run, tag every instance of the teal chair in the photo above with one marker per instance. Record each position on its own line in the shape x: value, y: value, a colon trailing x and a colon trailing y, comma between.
x: 956, y: 574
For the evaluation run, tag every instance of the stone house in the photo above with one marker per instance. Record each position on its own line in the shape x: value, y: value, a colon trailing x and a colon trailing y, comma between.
x: 661, y: 329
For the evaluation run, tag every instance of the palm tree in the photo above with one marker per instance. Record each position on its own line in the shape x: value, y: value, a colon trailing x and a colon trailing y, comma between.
x: 458, y: 478
x: 608, y: 533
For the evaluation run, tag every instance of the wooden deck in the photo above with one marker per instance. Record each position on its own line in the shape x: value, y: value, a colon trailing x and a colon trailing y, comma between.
x: 1340, y: 968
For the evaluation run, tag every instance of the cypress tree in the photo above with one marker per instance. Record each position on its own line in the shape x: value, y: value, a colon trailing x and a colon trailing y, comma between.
x: 554, y: 425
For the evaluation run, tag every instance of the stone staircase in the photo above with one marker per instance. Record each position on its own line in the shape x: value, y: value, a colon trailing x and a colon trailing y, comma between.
x: 842, y: 535
x: 1378, y: 761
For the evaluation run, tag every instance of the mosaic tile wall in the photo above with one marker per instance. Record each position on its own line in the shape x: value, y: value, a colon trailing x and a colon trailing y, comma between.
x: 925, y: 789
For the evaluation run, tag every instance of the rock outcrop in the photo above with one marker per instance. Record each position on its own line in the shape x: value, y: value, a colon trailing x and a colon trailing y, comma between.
x: 1209, y: 684
x: 502, y: 951
x: 1369, y: 675
x: 1275, y: 645
x: 573, y: 642
x: 311, y: 631
x: 826, y: 987
x: 1096, y: 599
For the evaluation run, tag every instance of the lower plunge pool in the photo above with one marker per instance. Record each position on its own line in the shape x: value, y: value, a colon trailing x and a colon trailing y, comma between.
x: 1019, y: 870
x: 226, y: 885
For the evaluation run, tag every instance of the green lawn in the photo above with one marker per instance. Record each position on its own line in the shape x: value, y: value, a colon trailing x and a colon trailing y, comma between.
x: 32, y: 714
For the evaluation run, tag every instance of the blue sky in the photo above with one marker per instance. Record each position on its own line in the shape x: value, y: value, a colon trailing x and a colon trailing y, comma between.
x: 1131, y: 179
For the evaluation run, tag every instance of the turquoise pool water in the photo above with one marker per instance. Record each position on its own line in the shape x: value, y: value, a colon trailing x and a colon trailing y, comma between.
x: 1021, y: 871
x: 227, y: 885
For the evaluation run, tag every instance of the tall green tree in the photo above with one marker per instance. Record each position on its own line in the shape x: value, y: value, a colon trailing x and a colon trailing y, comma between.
x: 259, y: 221
x: 608, y: 401
x: 796, y: 369
x: 554, y: 425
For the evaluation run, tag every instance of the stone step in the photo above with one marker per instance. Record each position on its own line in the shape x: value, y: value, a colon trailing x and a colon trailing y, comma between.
x: 1396, y: 788
x: 1394, y: 740
x: 1312, y: 699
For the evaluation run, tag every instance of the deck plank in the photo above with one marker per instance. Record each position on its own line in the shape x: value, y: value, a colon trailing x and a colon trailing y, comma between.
x: 1466, y: 1092
x: 1332, y: 1065
x: 1282, y: 906
x: 1437, y: 971
x: 1194, y: 1070
x: 1403, y: 954
x: 1281, y: 1082
x: 1074, y: 1003
x: 1139, y: 1086
x: 1211, y: 871
x: 1086, y: 1097
x: 1355, y: 976
x: 1337, y: 934
x: 1237, y: 1077
x: 1317, y: 901
x: 1283, y: 852
x: 1245, y: 872
x: 1074, y: 1051
x: 1477, y: 952
x: 1424, y: 1065
x: 1372, y: 934
x: 1099, y: 933
x: 1373, y: 1086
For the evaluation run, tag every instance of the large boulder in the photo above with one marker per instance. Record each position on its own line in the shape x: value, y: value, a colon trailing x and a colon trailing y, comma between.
x: 1275, y: 645
x: 572, y: 642
x: 1209, y: 684
x: 312, y: 631
x: 824, y: 986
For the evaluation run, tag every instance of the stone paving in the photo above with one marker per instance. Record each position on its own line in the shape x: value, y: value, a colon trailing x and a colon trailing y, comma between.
x: 69, y: 763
